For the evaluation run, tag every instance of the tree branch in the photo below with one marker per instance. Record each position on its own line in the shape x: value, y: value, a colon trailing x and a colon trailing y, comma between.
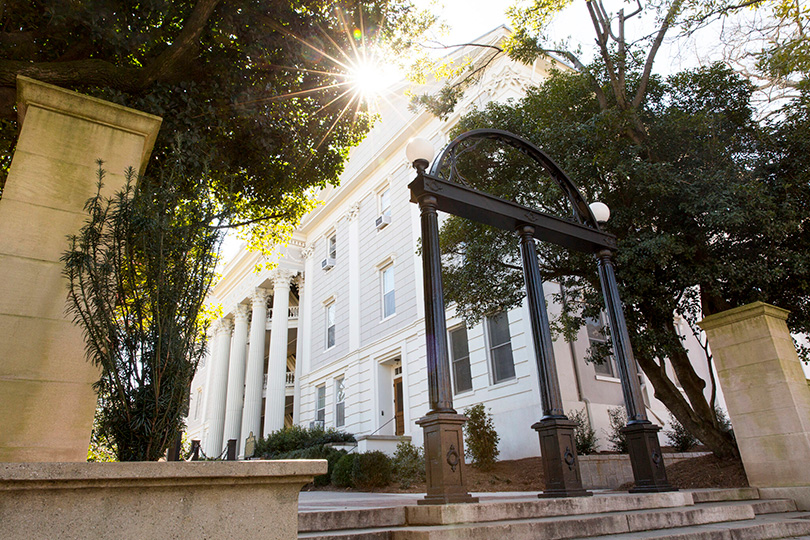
x: 648, y: 64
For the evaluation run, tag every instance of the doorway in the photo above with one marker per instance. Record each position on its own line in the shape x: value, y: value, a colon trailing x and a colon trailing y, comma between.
x: 399, y: 405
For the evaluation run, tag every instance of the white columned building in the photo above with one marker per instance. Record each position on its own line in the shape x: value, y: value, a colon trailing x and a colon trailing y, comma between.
x: 236, y: 374
x: 303, y: 313
x: 215, y: 412
x: 254, y: 374
x: 277, y: 364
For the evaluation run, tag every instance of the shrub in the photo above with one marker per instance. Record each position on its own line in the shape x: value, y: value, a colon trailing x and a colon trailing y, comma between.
x: 617, y: 439
x: 679, y: 437
x: 371, y: 470
x: 343, y: 470
x: 584, y: 435
x: 480, y: 437
x: 409, y: 464
x: 294, y: 438
x: 331, y: 455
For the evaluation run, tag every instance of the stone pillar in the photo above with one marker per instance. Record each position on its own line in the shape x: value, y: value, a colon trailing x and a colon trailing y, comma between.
x: 46, y: 397
x: 301, y: 336
x: 215, y: 410
x: 277, y: 366
x: 767, y: 397
x: 236, y: 376
x: 254, y: 374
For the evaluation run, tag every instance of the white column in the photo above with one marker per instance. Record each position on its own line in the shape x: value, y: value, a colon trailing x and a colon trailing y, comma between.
x: 236, y: 376
x: 354, y: 278
x: 277, y: 366
x: 301, y: 336
x: 254, y: 374
x: 215, y: 411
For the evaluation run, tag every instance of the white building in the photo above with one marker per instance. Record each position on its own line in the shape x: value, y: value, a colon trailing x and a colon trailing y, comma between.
x: 336, y: 333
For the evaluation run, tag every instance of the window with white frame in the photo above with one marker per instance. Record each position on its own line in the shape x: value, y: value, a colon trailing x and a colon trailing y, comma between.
x: 330, y: 324
x: 596, y: 338
x: 460, y: 352
x: 500, y: 347
x: 320, y: 404
x: 331, y: 246
x: 388, y: 291
x: 385, y: 202
x: 340, y: 402
x: 198, y: 399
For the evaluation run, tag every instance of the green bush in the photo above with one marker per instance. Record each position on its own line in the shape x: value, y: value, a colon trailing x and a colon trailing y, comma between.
x: 617, y: 439
x: 371, y: 470
x: 679, y: 437
x: 480, y: 437
x: 294, y: 438
x: 409, y: 464
x: 584, y: 435
x: 331, y: 455
x: 343, y: 470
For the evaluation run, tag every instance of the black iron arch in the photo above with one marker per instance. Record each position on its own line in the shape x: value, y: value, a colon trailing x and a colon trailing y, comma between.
x: 449, y: 156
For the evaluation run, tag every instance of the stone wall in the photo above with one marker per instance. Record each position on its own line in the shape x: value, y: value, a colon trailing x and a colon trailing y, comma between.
x: 609, y: 471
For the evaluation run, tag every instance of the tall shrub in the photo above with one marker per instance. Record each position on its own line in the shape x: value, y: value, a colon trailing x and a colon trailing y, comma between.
x: 617, y: 439
x: 584, y: 435
x: 480, y: 438
x: 138, y: 272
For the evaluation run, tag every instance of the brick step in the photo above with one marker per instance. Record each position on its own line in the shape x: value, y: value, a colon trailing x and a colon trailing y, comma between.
x: 563, y: 526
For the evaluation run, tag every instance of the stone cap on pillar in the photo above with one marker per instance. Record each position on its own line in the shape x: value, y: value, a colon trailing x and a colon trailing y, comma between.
x: 34, y: 93
x: 742, y: 313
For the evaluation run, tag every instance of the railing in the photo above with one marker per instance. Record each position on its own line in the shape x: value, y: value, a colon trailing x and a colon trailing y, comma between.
x: 292, y: 313
x: 289, y: 380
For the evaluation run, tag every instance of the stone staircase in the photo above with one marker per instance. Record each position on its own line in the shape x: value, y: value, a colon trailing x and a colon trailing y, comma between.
x: 725, y: 514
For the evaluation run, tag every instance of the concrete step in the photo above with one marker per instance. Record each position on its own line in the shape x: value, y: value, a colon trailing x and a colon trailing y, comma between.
x: 559, y: 526
x: 760, y: 528
x: 724, y: 494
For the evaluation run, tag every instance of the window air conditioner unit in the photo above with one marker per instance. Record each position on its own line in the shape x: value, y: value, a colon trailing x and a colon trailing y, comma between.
x: 316, y: 424
x: 382, y: 221
x: 328, y: 263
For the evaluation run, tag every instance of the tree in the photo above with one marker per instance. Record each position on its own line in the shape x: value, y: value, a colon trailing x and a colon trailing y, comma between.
x: 240, y: 80
x: 706, y: 218
x: 138, y: 272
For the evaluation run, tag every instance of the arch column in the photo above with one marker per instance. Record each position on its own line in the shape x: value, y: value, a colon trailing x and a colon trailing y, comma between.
x: 277, y: 366
x: 215, y: 409
x: 236, y: 375
x: 254, y: 373
x: 301, y: 337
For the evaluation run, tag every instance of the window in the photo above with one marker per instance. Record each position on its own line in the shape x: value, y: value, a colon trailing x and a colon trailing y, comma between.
x: 596, y: 337
x: 320, y: 404
x: 331, y: 246
x: 385, y: 202
x: 340, y: 402
x: 388, y: 291
x: 330, y: 325
x: 198, y: 403
x: 460, y: 352
x: 500, y: 348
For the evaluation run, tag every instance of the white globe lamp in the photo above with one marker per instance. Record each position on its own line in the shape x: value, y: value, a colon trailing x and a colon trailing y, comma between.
x: 419, y: 152
x: 600, y: 211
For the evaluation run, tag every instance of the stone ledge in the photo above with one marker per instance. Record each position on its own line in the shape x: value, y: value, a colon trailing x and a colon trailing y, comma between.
x: 742, y: 313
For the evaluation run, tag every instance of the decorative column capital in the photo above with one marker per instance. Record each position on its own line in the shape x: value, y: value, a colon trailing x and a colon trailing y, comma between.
x: 353, y: 211
x: 223, y: 326
x: 241, y: 313
x: 299, y: 280
x: 307, y: 251
x: 281, y: 278
x: 259, y: 296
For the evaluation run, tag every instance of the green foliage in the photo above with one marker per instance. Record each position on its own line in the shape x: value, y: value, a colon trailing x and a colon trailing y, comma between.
x: 138, y: 272
x: 409, y: 464
x: 584, y: 435
x: 101, y: 450
x: 617, y: 420
x: 239, y: 79
x: 343, y: 471
x: 480, y: 437
x: 679, y: 437
x: 372, y: 470
x: 331, y: 455
x: 292, y: 438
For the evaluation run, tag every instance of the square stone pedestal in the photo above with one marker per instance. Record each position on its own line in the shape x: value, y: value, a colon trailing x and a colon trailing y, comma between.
x: 646, y: 459
x: 444, y: 453
x: 560, y: 463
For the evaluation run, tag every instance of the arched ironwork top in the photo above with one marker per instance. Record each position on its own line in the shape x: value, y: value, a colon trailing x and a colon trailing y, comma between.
x: 449, y: 156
